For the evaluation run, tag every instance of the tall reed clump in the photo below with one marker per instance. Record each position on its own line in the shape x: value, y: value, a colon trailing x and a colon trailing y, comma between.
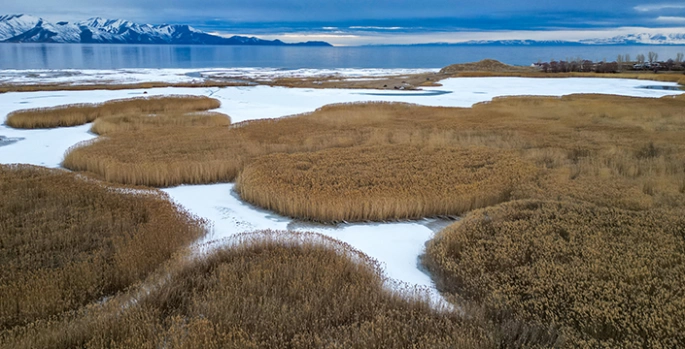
x: 79, y: 114
x: 270, y: 290
x: 66, y: 242
x: 609, y: 150
x: 607, y: 277
x: 134, y: 122
x: 387, y: 182
x: 174, y: 155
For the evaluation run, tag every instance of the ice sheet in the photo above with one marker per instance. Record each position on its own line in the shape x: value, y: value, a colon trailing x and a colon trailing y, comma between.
x: 130, y: 76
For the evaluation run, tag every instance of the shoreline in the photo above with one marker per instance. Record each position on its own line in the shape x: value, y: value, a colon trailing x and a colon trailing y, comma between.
x: 344, y: 78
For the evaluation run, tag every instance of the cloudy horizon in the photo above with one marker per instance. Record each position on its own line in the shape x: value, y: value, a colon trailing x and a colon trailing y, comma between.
x: 359, y: 22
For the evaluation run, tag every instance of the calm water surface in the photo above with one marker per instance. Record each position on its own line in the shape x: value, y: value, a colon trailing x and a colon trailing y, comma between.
x: 82, y: 56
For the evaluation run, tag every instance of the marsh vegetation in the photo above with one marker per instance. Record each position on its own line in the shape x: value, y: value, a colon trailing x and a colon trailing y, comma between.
x: 66, y: 242
x: 614, y: 151
x: 80, y: 114
x: 265, y: 290
x: 579, y: 242
x: 606, y: 277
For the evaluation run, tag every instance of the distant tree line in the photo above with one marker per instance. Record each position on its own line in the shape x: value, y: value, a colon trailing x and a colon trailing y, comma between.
x: 622, y: 63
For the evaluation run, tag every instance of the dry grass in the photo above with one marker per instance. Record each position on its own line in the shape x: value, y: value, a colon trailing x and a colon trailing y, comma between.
x: 176, y: 155
x: 663, y: 77
x: 127, y: 123
x: 485, y: 66
x: 79, y: 114
x: 66, y: 242
x: 613, y: 151
x: 382, y: 182
x: 493, y: 68
x: 267, y: 290
x: 607, y: 277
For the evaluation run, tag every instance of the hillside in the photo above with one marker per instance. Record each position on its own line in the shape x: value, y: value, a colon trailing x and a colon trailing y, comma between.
x: 25, y: 28
x: 486, y: 65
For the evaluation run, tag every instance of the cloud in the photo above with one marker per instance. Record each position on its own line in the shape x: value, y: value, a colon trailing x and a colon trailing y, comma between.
x: 364, y: 16
x: 453, y: 37
x: 376, y: 28
x: 671, y: 19
x: 658, y: 7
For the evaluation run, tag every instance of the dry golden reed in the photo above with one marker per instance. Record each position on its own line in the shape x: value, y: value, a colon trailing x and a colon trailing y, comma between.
x: 607, y: 277
x: 374, y: 183
x: 66, y: 241
x: 127, y: 123
x: 268, y: 290
x: 79, y: 114
x: 609, y: 150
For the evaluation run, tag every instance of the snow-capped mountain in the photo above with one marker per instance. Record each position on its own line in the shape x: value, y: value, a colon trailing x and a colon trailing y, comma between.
x: 640, y: 39
x: 631, y: 39
x: 24, y: 28
x: 520, y: 42
x: 13, y: 25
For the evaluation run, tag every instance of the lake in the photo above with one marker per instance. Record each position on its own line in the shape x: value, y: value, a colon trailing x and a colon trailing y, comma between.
x: 105, y: 56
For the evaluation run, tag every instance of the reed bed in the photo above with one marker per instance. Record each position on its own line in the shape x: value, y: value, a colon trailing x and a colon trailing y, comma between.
x: 79, y: 114
x: 175, y: 155
x: 127, y: 123
x: 389, y: 182
x: 268, y: 290
x: 606, y: 277
x: 66, y: 242
x: 609, y: 150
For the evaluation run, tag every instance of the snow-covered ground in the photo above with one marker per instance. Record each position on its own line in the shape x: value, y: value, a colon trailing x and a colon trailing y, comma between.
x: 396, y: 245
x: 132, y: 76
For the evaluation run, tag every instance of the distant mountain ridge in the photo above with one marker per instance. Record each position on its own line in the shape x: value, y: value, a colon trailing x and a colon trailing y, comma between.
x: 25, y: 28
x: 630, y: 39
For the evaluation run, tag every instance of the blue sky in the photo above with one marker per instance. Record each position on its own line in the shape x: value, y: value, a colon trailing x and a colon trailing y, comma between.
x: 348, y: 22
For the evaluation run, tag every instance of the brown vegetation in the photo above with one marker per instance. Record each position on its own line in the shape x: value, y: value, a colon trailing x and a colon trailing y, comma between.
x: 79, y: 114
x: 127, y: 123
x: 664, y: 77
x: 66, y: 241
x: 607, y: 277
x: 609, y: 150
x: 382, y: 182
x: 267, y: 290
x: 486, y: 65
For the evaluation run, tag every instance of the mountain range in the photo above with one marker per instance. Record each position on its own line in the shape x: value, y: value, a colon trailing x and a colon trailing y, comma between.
x: 630, y: 39
x: 25, y: 28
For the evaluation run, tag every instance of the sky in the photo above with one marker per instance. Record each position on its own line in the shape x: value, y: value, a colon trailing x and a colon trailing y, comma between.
x: 359, y: 22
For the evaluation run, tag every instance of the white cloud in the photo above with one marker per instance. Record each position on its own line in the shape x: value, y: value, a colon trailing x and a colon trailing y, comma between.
x: 658, y: 7
x: 395, y: 38
x: 377, y: 28
x: 671, y: 19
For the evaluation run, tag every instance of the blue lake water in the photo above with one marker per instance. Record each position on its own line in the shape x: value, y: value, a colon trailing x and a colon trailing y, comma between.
x: 82, y: 56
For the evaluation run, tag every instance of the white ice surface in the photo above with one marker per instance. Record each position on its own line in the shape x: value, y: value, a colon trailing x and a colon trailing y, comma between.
x: 130, y: 76
x: 396, y: 245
